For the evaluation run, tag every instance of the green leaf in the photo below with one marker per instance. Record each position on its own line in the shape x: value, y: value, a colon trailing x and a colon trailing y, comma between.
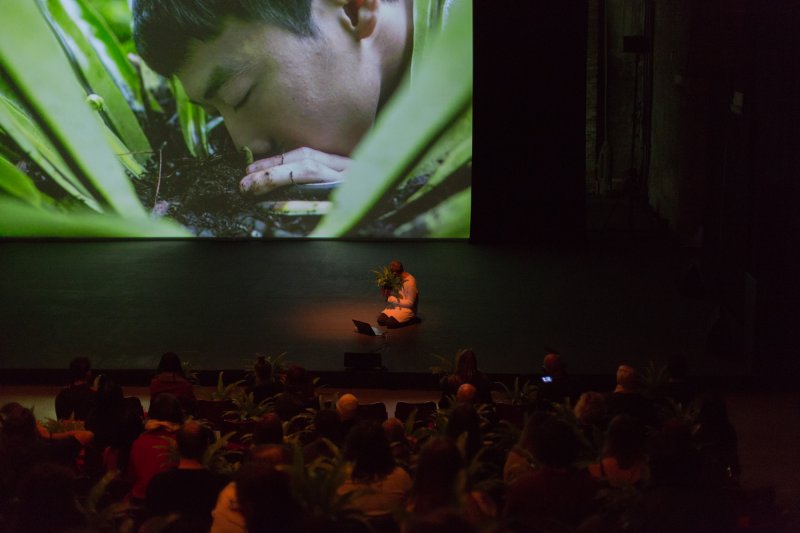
x: 450, y: 219
x: 32, y: 140
x: 411, y: 122
x: 32, y: 58
x: 192, y: 119
x: 18, y: 184
x: 97, y: 55
x: 21, y: 220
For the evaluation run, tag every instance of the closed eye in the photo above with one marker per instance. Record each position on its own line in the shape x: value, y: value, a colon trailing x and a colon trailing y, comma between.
x: 244, y: 99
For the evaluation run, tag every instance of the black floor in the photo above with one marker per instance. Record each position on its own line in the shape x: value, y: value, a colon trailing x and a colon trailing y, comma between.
x: 217, y: 304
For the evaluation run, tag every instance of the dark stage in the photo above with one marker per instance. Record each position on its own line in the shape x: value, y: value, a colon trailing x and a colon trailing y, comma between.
x: 218, y: 303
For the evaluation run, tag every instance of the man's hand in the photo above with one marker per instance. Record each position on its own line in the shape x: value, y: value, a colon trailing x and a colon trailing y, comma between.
x: 300, y: 166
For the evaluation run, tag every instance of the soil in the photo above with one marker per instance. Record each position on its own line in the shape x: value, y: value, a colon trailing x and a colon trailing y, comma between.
x: 203, y: 196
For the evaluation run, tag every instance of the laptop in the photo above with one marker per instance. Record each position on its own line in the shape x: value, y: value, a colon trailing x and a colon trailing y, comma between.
x: 366, y: 329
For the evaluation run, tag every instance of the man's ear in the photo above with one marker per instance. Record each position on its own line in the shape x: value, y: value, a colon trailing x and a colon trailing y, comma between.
x: 363, y: 16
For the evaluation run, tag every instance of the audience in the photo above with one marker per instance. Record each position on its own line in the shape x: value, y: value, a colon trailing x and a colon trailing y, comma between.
x: 557, y: 385
x: 556, y: 495
x: 77, y: 399
x: 624, y: 461
x: 441, y: 484
x: 627, y: 398
x: 170, y: 378
x: 646, y: 472
x: 116, y: 422
x: 150, y: 451
x: 190, y: 490
x: 298, y: 394
x: 466, y: 372
x: 378, y: 485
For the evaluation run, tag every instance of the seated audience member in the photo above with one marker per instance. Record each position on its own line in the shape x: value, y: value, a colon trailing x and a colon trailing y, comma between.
x: 557, y: 385
x: 380, y: 486
x: 266, y: 500
x: 520, y: 459
x: 467, y: 394
x: 227, y: 514
x: 190, y: 490
x: 465, y: 419
x: 592, y: 415
x: 116, y: 423
x: 268, y: 430
x: 628, y: 399
x: 347, y: 408
x: 298, y: 394
x: 265, y: 385
x: 441, y: 484
x: 467, y: 372
x: 47, y: 502
x: 76, y: 400
x: 149, y: 452
x: 327, y: 426
x: 624, y: 461
x: 556, y: 496
x: 170, y: 378
x: 402, y: 446
x: 24, y: 444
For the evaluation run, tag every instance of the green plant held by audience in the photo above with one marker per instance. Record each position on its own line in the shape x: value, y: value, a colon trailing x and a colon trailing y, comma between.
x: 226, y: 392
x: 246, y: 408
x: 517, y: 394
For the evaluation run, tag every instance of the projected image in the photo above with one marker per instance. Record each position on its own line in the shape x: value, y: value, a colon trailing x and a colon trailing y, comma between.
x: 240, y: 119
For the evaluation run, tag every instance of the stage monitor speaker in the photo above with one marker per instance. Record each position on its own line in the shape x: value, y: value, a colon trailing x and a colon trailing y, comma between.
x: 362, y: 361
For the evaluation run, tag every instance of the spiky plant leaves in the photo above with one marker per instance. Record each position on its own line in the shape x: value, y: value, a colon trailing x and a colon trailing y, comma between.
x: 32, y: 57
x: 18, y: 219
x: 192, y: 119
x: 18, y: 184
x: 35, y: 144
x: 450, y: 153
x: 449, y: 219
x: 410, y: 123
x: 104, y: 67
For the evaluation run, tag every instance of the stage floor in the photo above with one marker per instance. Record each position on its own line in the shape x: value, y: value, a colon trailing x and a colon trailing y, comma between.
x: 217, y: 304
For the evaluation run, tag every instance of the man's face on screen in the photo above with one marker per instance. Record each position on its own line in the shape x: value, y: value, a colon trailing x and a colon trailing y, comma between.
x: 278, y: 91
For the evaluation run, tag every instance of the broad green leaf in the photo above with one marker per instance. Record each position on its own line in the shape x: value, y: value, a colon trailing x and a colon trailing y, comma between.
x: 413, y: 120
x: 96, y: 54
x: 17, y: 183
x: 192, y: 118
x: 450, y: 219
x: 21, y: 220
x: 38, y: 147
x: 32, y: 58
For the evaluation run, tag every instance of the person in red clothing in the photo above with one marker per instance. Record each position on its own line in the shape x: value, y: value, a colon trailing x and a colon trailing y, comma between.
x: 150, y: 451
x: 170, y: 378
x: 556, y: 496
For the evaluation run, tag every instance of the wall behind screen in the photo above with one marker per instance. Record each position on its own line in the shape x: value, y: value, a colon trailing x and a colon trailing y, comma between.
x: 529, y: 127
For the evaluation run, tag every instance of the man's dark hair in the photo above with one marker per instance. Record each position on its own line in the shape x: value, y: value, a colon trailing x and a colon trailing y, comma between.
x: 193, y: 439
x: 368, y: 448
x: 170, y: 362
x: 268, y: 430
x: 79, y: 368
x: 166, y: 407
x: 164, y: 29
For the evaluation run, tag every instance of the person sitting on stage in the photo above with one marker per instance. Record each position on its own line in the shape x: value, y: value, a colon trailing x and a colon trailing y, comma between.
x: 402, y: 309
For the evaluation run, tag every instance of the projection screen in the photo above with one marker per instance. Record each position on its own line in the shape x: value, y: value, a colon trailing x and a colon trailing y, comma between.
x: 121, y: 119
